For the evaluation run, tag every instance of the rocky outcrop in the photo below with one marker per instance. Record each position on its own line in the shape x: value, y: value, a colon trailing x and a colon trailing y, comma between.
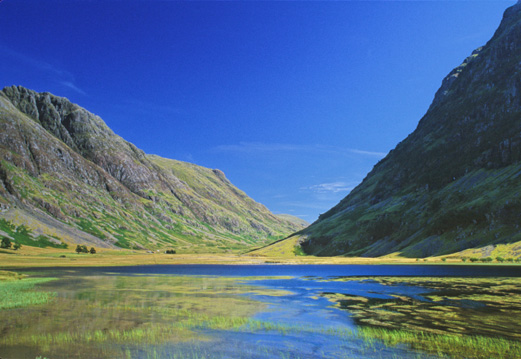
x: 88, y: 136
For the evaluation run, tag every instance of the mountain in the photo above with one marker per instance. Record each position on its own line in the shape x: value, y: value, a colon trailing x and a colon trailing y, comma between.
x: 66, y: 174
x: 452, y: 184
x: 296, y: 220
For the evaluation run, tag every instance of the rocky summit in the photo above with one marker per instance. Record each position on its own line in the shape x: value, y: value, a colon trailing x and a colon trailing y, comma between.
x: 452, y: 184
x: 66, y: 178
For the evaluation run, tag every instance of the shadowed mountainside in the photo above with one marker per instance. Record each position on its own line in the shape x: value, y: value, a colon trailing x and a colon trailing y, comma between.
x: 452, y: 184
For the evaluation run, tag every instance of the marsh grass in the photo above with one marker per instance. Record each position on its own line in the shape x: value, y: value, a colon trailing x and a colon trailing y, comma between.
x: 488, y: 307
x: 101, y: 312
x: 451, y: 346
x: 10, y: 276
x: 455, y: 346
x: 137, y: 317
x: 182, y: 329
x: 106, y: 313
x: 20, y: 293
x: 147, y: 335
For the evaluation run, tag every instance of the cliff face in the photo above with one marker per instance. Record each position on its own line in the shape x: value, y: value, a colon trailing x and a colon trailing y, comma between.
x: 454, y: 182
x: 60, y: 159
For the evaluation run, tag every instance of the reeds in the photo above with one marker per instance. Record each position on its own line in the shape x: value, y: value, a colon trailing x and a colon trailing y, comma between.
x: 455, y: 346
x: 19, y: 293
x: 190, y: 324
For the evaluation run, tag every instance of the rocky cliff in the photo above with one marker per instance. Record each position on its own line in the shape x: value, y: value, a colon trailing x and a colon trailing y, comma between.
x: 454, y: 183
x: 60, y: 160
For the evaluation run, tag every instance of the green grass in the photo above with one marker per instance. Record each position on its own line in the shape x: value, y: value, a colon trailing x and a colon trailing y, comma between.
x: 90, y: 227
x: 455, y: 346
x: 10, y: 276
x: 23, y: 235
x: 20, y: 293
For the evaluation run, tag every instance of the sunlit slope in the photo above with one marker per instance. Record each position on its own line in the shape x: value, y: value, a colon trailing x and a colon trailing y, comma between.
x: 286, y: 248
x: 61, y: 167
x: 454, y: 183
x: 296, y: 220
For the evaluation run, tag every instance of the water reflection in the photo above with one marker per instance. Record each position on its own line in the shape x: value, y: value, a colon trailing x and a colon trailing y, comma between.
x: 108, y: 313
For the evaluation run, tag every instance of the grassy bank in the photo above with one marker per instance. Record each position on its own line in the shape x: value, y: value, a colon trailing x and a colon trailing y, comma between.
x: 56, y: 257
x: 50, y: 257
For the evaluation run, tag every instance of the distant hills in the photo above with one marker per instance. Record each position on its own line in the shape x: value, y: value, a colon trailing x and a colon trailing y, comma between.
x: 67, y: 176
x: 452, y: 184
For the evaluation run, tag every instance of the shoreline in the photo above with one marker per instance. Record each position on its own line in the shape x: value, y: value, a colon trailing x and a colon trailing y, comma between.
x: 37, y: 257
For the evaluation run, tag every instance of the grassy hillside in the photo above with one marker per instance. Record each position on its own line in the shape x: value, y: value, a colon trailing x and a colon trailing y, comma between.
x: 451, y: 185
x: 64, y: 174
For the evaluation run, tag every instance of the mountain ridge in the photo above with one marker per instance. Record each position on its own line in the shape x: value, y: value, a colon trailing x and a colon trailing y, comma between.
x: 451, y: 184
x: 57, y: 158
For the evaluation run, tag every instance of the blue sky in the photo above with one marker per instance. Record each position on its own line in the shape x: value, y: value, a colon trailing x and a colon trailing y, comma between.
x: 294, y: 101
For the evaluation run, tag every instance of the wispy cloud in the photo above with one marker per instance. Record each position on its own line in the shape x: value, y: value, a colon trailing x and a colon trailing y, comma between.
x: 73, y: 87
x: 331, y: 187
x: 35, y: 63
x: 368, y: 153
x: 262, y: 148
x: 64, y: 78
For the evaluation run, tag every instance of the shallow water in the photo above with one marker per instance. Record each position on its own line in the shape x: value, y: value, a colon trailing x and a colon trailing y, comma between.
x: 209, y: 311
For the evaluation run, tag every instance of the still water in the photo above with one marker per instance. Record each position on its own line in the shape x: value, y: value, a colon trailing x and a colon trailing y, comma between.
x: 319, y: 270
x: 256, y: 311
